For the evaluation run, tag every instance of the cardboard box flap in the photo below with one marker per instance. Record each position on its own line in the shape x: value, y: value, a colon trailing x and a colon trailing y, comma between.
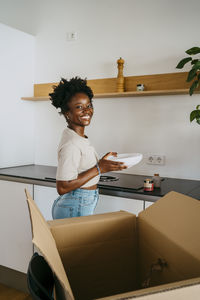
x: 169, y: 231
x: 177, y: 216
x: 83, y: 219
x: 181, y: 290
x: 45, y: 242
x: 92, y: 229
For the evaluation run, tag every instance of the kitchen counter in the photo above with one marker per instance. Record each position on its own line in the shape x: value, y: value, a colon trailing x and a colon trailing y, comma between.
x: 128, y: 186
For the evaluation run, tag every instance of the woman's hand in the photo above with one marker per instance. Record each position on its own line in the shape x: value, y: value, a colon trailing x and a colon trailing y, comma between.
x: 107, y: 165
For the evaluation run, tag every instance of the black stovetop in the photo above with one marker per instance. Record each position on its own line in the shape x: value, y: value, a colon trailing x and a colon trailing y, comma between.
x: 126, y: 182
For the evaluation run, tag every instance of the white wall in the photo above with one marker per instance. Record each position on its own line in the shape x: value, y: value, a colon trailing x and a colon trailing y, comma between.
x: 16, y: 79
x: 151, y: 36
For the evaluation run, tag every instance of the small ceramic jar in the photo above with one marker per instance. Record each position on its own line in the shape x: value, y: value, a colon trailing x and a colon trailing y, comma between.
x: 140, y: 87
x: 148, y: 185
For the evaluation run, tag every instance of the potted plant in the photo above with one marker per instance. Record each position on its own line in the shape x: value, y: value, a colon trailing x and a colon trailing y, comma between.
x: 193, y: 76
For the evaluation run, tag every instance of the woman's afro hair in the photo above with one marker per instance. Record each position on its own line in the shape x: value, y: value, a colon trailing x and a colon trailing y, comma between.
x: 66, y: 89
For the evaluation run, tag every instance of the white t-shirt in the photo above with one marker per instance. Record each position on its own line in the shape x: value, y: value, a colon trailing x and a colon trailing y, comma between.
x: 75, y: 155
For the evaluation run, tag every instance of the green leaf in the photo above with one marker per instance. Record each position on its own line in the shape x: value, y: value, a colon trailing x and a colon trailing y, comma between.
x: 193, y: 51
x: 193, y: 87
x: 192, y: 115
x: 198, y: 120
x: 191, y: 74
x: 182, y: 63
x: 194, y: 61
x: 195, y: 114
x: 197, y: 106
x: 196, y: 65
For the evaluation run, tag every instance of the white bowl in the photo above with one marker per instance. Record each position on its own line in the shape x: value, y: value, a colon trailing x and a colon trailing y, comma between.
x: 129, y: 159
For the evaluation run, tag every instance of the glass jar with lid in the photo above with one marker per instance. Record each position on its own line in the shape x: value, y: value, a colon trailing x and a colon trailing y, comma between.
x: 156, y: 180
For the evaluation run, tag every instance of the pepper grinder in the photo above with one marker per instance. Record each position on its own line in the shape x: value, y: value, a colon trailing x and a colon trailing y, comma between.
x: 120, y: 77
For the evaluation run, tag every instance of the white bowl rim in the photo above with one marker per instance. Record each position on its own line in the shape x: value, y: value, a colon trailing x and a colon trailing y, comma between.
x: 126, y: 155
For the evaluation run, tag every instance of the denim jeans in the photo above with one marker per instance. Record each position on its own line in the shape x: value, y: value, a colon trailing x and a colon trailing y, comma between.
x: 80, y: 202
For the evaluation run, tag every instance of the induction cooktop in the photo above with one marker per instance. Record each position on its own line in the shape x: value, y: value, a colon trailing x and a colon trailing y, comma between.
x: 117, y: 181
x: 121, y: 181
x: 107, y: 178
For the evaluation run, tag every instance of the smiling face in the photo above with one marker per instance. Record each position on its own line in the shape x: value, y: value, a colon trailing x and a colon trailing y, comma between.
x: 80, y: 111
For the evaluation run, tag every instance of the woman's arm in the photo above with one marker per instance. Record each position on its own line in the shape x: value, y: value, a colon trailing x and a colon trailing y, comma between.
x: 105, y: 165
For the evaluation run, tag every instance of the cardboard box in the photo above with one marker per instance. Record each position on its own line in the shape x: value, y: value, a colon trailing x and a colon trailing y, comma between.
x: 115, y: 255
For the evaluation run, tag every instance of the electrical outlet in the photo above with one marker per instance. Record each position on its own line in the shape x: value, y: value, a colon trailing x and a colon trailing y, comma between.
x: 150, y: 159
x: 72, y: 36
x: 156, y: 160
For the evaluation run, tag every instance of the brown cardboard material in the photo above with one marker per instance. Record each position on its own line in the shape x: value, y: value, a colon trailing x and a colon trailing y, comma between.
x: 43, y: 240
x: 109, y: 256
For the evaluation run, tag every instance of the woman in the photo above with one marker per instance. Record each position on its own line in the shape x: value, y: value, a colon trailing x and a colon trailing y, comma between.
x: 78, y: 169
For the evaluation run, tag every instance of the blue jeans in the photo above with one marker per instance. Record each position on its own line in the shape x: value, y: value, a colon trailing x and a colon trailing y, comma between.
x: 79, y: 202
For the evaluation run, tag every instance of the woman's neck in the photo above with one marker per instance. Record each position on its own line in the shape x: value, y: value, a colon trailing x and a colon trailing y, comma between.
x: 78, y: 129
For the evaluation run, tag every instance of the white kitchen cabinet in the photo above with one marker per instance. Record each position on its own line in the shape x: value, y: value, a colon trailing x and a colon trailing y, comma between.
x: 111, y: 204
x: 15, y: 228
x: 147, y: 204
x: 44, y: 198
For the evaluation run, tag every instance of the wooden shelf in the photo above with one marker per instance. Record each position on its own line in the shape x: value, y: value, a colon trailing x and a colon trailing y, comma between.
x: 126, y: 94
x: 144, y: 93
x: 155, y: 85
x: 35, y: 98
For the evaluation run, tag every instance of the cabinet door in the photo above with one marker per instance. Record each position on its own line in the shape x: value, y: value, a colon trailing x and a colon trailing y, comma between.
x: 15, y: 227
x: 44, y: 198
x: 110, y: 204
